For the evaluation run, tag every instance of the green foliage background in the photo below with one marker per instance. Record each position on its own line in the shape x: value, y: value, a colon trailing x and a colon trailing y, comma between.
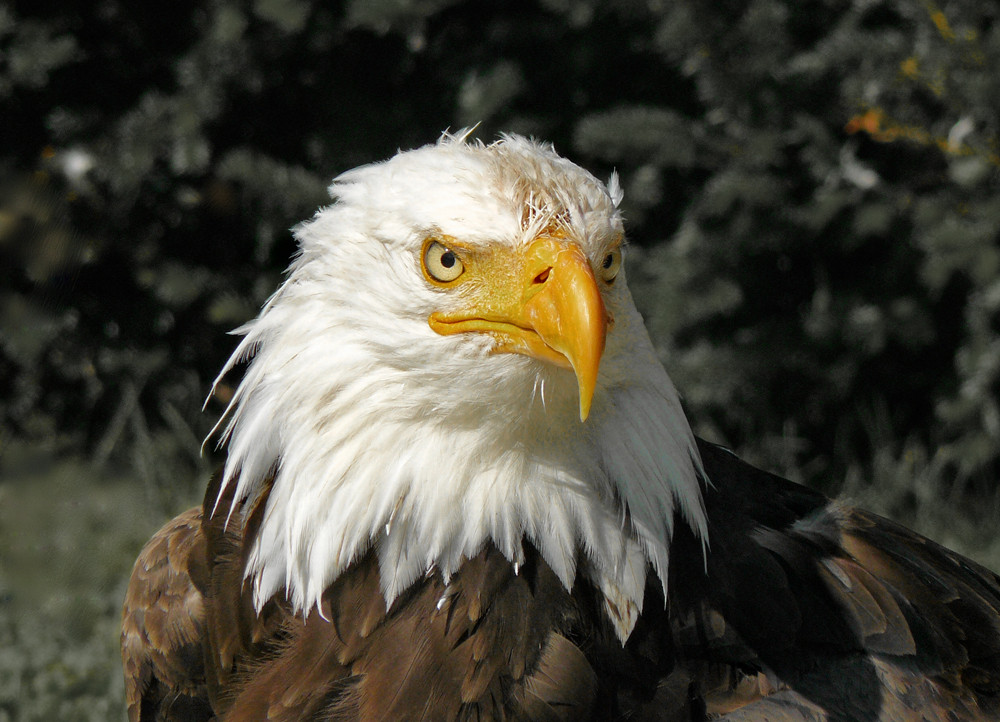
x: 813, y: 209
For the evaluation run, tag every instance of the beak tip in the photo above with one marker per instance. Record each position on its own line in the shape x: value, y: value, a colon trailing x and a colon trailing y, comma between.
x: 586, y: 378
x: 585, y: 400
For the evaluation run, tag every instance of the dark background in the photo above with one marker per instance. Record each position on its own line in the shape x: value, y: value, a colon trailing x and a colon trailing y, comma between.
x: 811, y: 192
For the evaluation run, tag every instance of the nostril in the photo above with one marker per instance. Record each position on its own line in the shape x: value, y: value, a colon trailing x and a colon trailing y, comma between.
x: 543, y: 276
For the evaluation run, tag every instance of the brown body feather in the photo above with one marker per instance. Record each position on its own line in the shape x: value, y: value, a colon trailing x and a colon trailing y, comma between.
x: 163, y: 627
x: 805, y: 610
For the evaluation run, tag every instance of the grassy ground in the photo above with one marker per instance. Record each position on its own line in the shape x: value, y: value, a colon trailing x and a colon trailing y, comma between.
x: 69, y: 534
x: 68, y: 537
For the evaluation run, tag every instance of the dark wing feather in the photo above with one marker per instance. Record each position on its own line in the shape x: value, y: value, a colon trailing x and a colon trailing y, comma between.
x: 836, y: 609
x: 562, y: 687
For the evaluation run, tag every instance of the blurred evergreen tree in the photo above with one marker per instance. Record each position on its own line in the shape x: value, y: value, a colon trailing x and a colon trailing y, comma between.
x: 810, y: 187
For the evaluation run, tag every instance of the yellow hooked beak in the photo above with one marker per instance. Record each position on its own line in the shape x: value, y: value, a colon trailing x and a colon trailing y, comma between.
x: 542, y: 301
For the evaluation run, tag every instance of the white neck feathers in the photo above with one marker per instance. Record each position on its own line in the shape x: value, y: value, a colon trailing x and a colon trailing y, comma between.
x: 382, y: 435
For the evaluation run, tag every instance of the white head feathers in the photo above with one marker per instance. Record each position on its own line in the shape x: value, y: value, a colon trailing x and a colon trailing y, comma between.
x: 381, y: 433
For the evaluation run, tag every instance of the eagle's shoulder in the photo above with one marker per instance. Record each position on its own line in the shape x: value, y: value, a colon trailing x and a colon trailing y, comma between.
x: 163, y: 626
x: 810, y: 599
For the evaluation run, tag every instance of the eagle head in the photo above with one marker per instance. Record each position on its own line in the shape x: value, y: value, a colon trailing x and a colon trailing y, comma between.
x: 455, y: 359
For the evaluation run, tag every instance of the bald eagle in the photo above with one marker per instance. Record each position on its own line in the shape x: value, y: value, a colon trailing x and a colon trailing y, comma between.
x: 459, y: 485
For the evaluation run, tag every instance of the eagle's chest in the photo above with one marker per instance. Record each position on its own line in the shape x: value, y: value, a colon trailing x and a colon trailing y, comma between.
x: 493, y: 641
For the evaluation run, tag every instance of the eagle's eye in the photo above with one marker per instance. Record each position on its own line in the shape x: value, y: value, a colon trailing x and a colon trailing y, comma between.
x: 441, y: 263
x: 611, y: 264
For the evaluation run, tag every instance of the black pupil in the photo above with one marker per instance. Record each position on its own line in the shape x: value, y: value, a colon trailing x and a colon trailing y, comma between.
x: 447, y: 259
x: 608, y: 260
